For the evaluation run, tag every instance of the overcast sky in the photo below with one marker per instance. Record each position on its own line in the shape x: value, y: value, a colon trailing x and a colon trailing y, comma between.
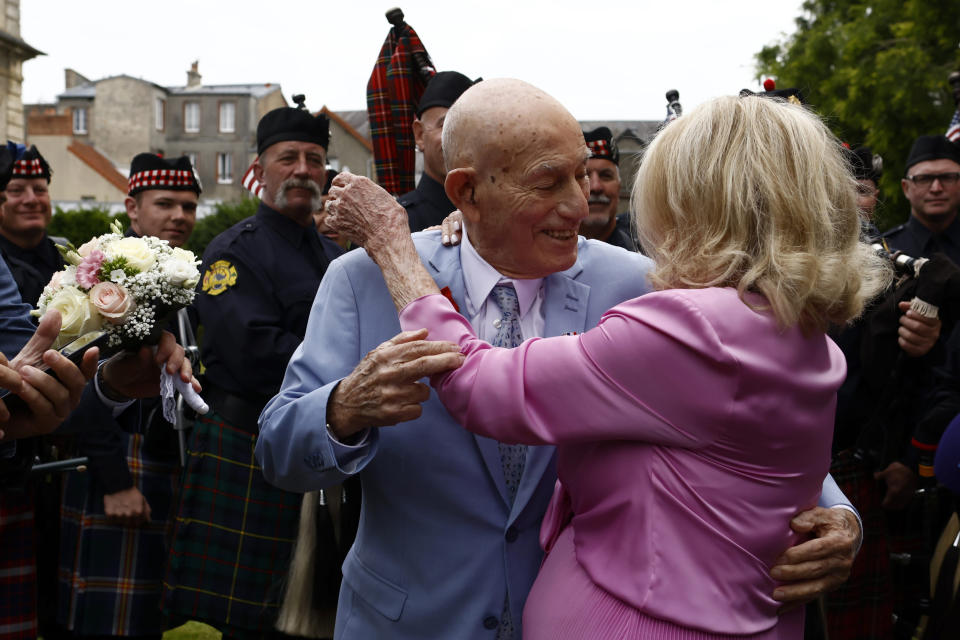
x: 604, y: 60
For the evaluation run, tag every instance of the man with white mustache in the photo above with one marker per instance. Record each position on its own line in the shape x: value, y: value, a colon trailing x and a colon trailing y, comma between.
x: 259, y: 279
x: 603, y: 170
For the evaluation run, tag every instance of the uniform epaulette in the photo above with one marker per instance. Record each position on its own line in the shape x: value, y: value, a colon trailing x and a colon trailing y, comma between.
x: 890, y: 232
x: 225, y: 239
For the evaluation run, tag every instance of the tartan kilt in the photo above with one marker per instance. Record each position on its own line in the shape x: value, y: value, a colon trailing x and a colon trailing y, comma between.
x: 233, y: 535
x: 862, y: 607
x: 18, y: 569
x: 110, y: 577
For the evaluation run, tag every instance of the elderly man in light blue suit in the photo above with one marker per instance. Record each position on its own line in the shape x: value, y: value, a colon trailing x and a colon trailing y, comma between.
x: 448, y: 539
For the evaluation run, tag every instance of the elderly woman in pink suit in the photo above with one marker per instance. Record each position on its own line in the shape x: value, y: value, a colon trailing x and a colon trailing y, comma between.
x: 690, y: 411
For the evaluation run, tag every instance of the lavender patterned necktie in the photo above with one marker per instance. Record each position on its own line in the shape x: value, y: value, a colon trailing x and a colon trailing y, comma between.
x: 512, y: 456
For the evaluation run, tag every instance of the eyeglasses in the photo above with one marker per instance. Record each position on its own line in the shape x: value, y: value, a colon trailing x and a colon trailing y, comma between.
x: 926, y: 179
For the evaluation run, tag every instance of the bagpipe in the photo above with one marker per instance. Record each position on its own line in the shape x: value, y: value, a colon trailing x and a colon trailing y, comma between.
x: 894, y: 385
x: 904, y: 425
x: 674, y: 109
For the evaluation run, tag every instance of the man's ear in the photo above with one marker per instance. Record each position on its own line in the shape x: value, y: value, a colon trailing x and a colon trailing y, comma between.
x: 131, y: 204
x: 460, y: 186
x: 903, y: 185
x: 418, y: 133
x: 258, y: 170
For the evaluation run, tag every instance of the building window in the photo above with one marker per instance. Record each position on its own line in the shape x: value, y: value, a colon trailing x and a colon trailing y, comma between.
x: 228, y: 116
x: 79, y: 120
x: 160, y: 114
x: 191, y: 117
x: 224, y: 168
x: 194, y: 159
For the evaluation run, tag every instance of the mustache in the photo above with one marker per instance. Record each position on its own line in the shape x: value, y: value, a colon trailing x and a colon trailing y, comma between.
x: 302, y: 183
x: 316, y: 197
x: 598, y: 198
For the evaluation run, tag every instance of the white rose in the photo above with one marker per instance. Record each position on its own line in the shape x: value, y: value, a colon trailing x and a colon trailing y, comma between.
x: 180, y: 273
x: 183, y: 254
x: 78, y: 315
x: 135, y: 250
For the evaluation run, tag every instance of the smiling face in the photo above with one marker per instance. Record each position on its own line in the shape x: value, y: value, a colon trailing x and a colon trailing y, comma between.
x: 164, y: 214
x: 530, y: 192
x: 26, y: 212
x: 934, y: 205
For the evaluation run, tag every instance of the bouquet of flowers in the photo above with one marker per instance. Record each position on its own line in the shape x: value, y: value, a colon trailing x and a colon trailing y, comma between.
x: 124, y: 285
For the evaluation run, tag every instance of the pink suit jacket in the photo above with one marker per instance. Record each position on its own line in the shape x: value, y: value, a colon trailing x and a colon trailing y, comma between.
x: 689, y: 430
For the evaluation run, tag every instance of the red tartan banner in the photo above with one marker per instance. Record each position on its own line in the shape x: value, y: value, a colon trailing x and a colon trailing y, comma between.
x: 394, y: 88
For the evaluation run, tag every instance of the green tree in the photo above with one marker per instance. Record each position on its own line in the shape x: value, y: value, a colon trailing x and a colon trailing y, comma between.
x: 79, y: 225
x: 225, y: 216
x: 876, y: 71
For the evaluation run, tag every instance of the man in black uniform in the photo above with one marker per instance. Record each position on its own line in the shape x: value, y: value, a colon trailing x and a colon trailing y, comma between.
x: 30, y: 253
x: 867, y: 169
x: 603, y: 168
x: 428, y: 204
x: 234, y: 532
x: 932, y: 185
x: 128, y: 490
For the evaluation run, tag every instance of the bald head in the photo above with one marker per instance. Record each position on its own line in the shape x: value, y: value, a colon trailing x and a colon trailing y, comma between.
x: 496, y: 119
x: 516, y: 167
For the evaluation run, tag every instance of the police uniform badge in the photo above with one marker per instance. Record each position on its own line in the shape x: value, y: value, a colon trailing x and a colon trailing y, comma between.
x: 220, y: 276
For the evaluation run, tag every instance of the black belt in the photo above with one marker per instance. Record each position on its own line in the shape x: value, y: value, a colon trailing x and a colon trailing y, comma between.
x: 241, y: 413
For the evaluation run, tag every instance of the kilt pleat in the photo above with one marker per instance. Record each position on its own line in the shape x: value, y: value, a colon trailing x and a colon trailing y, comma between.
x: 110, y: 575
x: 18, y: 571
x: 233, y: 534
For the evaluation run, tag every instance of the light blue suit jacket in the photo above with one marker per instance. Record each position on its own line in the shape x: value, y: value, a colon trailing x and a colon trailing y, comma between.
x: 438, y: 542
x: 439, y: 545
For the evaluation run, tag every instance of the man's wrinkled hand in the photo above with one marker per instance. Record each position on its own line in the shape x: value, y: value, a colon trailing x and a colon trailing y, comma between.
x: 128, y: 507
x: 917, y: 334
x: 365, y: 213
x: 822, y: 564
x: 137, y: 374
x: 901, y: 485
x: 383, y: 389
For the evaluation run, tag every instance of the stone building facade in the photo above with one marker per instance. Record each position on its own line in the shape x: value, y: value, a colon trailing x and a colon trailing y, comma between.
x: 13, y: 53
x: 121, y: 116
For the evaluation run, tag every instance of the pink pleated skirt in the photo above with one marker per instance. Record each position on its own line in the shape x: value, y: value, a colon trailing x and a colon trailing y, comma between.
x: 565, y: 604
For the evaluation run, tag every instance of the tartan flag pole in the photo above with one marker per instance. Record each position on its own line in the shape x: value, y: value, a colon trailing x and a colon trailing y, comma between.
x: 399, y: 77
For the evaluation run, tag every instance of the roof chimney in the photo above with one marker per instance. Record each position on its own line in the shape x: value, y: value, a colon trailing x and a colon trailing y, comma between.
x: 193, y: 76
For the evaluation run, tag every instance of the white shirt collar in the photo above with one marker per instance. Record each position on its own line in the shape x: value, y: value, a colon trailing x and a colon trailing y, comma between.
x: 480, y: 278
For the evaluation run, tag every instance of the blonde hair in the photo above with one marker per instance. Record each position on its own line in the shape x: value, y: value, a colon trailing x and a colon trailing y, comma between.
x: 755, y: 194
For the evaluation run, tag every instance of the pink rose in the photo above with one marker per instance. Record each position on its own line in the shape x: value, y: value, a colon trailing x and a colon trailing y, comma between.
x: 88, y: 271
x: 112, y: 301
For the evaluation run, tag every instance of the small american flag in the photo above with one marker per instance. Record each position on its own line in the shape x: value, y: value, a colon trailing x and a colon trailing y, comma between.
x: 250, y: 182
x: 953, y: 131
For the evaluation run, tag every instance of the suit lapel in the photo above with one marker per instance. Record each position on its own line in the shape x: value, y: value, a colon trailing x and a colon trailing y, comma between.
x: 446, y: 270
x: 565, y: 311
